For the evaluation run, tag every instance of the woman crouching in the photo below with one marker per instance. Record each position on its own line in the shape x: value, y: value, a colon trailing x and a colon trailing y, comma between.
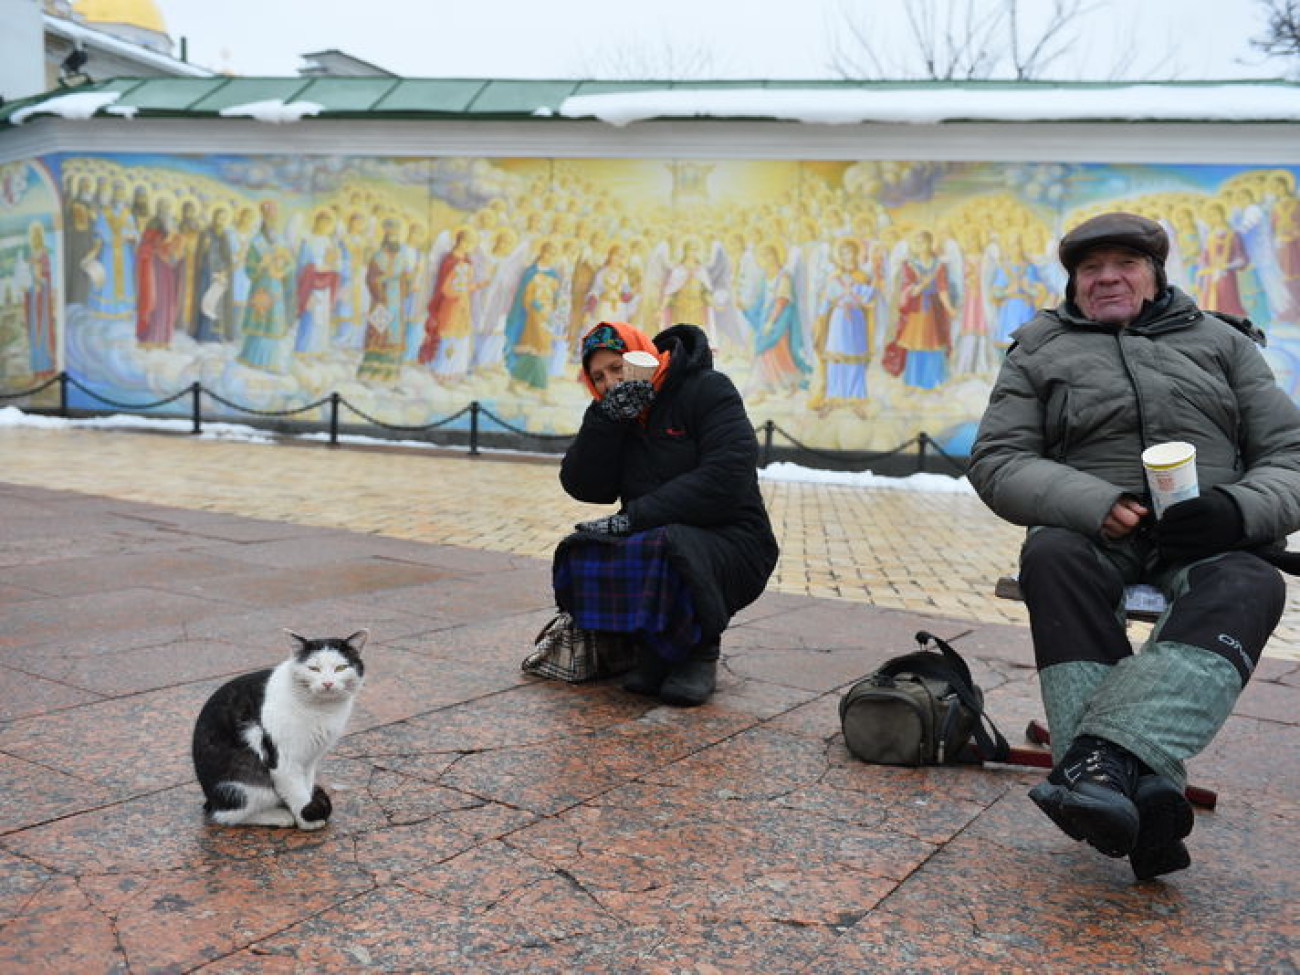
x: 691, y: 543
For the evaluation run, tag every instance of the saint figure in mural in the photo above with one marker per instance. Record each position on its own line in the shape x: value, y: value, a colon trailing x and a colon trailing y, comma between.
x: 1284, y: 209
x: 353, y: 299
x: 388, y: 282
x: 1223, y: 255
x: 1263, y: 289
x: 845, y: 330
x: 925, y: 313
x: 79, y: 241
x: 420, y: 275
x: 449, y: 328
x: 779, y: 366
x: 38, y: 304
x: 974, y: 354
x: 266, y: 320
x: 531, y: 321
x: 190, y: 229
x: 158, y: 279
x: 504, y: 266
x: 1017, y: 288
x: 215, y: 262
x: 116, y: 237
x: 318, y: 285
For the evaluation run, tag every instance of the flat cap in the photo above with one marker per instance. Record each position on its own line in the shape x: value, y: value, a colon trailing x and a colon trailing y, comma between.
x: 1116, y: 229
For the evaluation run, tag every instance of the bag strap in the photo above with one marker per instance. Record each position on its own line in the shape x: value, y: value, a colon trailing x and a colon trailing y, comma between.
x: 990, y: 743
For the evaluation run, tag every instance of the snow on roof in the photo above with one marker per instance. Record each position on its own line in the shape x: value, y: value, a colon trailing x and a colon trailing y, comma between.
x: 929, y: 105
x: 275, y: 110
x: 74, y: 105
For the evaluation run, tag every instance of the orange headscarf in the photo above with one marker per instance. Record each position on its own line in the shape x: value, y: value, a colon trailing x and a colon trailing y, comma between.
x: 620, y: 337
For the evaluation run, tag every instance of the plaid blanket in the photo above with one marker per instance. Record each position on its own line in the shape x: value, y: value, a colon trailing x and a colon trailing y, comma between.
x: 627, y: 585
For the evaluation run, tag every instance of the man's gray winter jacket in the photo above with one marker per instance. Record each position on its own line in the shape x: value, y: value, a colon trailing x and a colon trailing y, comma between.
x: 1077, y: 402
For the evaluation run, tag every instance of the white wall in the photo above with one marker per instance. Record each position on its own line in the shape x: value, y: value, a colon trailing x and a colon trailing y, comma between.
x: 22, y: 49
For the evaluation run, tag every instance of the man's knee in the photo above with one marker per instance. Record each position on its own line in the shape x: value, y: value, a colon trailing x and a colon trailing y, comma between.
x: 1058, y: 555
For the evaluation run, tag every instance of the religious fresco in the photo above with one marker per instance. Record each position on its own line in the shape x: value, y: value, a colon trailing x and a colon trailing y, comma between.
x: 854, y: 303
x: 30, y: 297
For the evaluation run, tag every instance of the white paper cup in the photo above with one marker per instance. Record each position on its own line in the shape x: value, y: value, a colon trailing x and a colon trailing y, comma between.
x: 639, y: 365
x: 1171, y: 473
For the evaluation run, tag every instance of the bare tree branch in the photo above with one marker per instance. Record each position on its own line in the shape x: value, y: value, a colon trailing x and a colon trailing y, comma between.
x: 1281, y: 36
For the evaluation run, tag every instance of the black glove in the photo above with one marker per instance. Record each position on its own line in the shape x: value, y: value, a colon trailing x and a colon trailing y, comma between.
x: 619, y: 524
x: 1201, y: 527
x: 626, y: 400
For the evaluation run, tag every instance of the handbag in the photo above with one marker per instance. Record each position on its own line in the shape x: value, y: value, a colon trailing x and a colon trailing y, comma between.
x: 920, y: 709
x: 563, y: 651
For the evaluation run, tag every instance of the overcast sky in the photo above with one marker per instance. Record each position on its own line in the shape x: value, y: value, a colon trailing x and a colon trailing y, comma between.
x: 1151, y: 39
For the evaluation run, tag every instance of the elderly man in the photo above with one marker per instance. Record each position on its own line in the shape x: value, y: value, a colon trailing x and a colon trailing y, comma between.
x: 1128, y: 361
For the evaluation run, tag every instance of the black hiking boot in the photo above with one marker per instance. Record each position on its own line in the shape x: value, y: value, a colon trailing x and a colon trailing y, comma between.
x: 1166, y: 817
x: 1089, y: 795
x: 692, y: 681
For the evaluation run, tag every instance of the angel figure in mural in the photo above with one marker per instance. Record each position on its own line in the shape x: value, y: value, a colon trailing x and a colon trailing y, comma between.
x: 419, y: 270
x: 972, y: 260
x: 779, y: 366
x: 388, y: 282
x: 37, y: 280
x: 611, y: 298
x: 844, y: 333
x: 736, y: 278
x: 530, y: 323
x: 215, y: 258
x: 1017, y: 287
x: 925, y: 315
x: 503, y: 267
x: 158, y: 278
x: 265, y: 325
x: 353, y: 298
x: 688, y: 291
x: 589, y: 256
x: 1223, y: 255
x: 115, y: 242
x: 1264, y: 291
x: 449, y: 327
x: 319, y: 261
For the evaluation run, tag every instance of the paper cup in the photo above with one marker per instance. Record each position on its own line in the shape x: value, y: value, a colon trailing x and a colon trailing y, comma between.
x: 1171, y: 473
x: 639, y: 365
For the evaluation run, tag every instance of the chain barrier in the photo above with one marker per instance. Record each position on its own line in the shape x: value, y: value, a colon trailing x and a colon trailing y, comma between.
x: 34, y: 390
x: 401, y: 429
x: 335, y: 400
x: 248, y: 409
x: 520, y: 431
x: 124, y: 406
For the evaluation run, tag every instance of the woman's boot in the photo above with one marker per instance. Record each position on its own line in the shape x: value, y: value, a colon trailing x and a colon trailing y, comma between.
x: 692, y: 681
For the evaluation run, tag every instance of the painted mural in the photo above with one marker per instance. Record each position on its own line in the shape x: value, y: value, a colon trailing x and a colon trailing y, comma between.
x: 854, y: 303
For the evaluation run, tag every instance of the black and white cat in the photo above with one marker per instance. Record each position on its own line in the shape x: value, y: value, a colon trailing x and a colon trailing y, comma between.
x: 260, y: 738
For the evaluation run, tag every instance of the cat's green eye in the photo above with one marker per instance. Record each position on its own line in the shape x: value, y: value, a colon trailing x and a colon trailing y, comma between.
x: 314, y: 667
x: 340, y: 667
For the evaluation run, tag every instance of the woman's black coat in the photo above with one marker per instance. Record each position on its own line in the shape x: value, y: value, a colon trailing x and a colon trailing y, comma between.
x: 692, y: 467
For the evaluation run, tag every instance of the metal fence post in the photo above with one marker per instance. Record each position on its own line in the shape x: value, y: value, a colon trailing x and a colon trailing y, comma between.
x: 768, y: 428
x: 334, y: 419
x: 195, y: 414
x: 63, y: 395
x: 473, y: 427
x: 922, y: 439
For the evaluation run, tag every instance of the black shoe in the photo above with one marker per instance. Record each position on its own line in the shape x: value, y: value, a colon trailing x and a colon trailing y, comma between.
x: 1089, y: 795
x: 1166, y: 817
x: 648, y: 674
x: 693, y: 681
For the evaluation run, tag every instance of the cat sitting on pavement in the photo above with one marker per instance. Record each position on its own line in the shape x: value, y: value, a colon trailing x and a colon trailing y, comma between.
x: 260, y: 738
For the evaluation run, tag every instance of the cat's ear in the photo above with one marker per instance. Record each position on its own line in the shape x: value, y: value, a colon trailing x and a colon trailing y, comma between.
x: 358, y: 640
x: 300, y: 640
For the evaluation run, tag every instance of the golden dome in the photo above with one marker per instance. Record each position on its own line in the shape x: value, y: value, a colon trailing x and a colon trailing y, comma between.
x: 135, y: 13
